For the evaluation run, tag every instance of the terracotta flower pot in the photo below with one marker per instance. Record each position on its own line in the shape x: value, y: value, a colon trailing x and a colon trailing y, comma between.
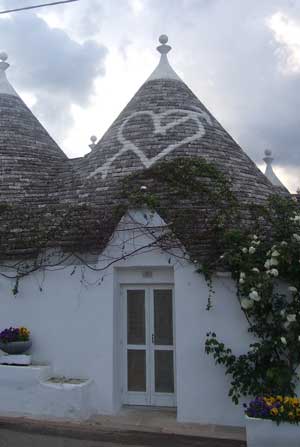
x: 15, y: 347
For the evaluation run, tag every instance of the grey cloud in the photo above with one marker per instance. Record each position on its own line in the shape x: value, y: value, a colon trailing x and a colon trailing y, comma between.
x: 48, y: 63
x: 228, y: 43
x: 223, y: 48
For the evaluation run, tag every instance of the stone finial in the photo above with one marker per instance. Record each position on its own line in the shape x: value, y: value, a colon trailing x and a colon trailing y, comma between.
x: 3, y: 58
x: 93, y: 140
x: 163, y: 48
x: 5, y: 87
x: 164, y: 69
x: 268, y: 159
x: 269, y: 173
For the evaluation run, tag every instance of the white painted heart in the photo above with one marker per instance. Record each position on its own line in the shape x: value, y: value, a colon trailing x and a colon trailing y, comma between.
x: 157, y: 118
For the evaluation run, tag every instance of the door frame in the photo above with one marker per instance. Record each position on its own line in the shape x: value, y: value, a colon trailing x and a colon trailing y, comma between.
x: 150, y: 397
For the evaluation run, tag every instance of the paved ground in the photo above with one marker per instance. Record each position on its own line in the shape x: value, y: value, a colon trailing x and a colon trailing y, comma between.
x: 11, y: 438
x: 164, y: 420
x: 132, y: 427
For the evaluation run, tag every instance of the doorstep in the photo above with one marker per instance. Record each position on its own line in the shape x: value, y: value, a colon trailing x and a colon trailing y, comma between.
x: 129, y: 428
x: 163, y: 420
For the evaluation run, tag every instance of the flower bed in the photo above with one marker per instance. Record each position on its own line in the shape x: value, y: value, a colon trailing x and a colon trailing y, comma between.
x: 14, y: 334
x: 15, y: 341
x: 278, y: 409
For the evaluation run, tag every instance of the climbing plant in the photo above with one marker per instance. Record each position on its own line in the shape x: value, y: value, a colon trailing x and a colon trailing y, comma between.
x: 266, y: 267
x: 192, y: 196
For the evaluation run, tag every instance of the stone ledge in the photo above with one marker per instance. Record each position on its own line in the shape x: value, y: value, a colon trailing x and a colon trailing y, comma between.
x: 12, y: 374
x: 15, y: 359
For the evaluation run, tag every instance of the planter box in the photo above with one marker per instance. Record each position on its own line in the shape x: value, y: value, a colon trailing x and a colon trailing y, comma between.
x: 263, y: 433
x: 15, y: 347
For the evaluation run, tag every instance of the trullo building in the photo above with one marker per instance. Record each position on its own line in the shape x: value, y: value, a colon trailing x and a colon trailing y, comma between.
x: 91, y: 264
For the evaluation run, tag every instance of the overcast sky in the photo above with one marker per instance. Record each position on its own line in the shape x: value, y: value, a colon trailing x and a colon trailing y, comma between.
x: 78, y: 65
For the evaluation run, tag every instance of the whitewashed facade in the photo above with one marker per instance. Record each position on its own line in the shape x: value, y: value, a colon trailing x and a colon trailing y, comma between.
x: 79, y: 330
x: 130, y: 328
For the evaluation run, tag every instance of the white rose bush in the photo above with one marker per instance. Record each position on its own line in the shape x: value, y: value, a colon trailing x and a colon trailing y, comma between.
x: 265, y: 262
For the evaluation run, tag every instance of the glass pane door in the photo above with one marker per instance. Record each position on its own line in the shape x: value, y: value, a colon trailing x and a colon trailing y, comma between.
x: 148, y: 354
x: 136, y: 351
x: 162, y: 347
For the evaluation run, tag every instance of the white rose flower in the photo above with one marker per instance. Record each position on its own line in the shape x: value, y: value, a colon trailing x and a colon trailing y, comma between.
x: 286, y: 324
x: 283, y: 244
x: 273, y: 261
x: 242, y: 275
x: 246, y: 303
x: 254, y: 296
x: 275, y: 254
x: 283, y: 340
x: 252, y: 250
x: 245, y: 250
x: 274, y: 272
x: 298, y: 337
x: 241, y: 281
x: 255, y: 237
x: 282, y: 312
x: 259, y: 285
x: 267, y: 264
x: 293, y: 289
x: 255, y: 270
x: 296, y: 237
x: 291, y: 318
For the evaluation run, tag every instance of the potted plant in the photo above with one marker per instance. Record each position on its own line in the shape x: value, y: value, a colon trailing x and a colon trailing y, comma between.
x: 273, y: 420
x: 15, y: 340
x: 266, y: 267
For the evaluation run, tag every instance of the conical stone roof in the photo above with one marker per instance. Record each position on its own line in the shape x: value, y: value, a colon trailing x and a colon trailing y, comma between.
x: 30, y: 160
x: 165, y: 120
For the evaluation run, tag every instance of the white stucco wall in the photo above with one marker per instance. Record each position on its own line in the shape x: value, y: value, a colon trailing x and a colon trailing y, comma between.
x: 75, y: 327
x: 202, y: 385
x: 71, y: 325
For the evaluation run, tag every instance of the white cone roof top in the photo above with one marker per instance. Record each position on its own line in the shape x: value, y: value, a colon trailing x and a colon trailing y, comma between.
x: 5, y: 87
x: 269, y: 173
x: 164, y: 69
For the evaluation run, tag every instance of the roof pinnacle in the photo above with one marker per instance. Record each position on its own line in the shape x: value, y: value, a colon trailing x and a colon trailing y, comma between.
x: 5, y: 86
x: 3, y: 58
x: 164, y: 69
x: 93, y: 140
x: 163, y: 48
x: 269, y: 173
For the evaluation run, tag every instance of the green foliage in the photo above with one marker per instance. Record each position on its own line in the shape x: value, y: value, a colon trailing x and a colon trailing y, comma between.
x: 259, y: 263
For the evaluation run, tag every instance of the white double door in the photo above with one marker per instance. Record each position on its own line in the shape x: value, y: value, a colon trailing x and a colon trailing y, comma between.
x: 148, y: 354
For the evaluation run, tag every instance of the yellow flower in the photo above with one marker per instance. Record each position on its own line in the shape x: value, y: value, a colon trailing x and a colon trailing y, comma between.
x: 281, y: 409
x: 291, y: 415
x: 298, y: 412
x: 274, y: 412
x: 279, y: 398
x: 24, y: 332
x: 286, y: 400
x: 269, y: 401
